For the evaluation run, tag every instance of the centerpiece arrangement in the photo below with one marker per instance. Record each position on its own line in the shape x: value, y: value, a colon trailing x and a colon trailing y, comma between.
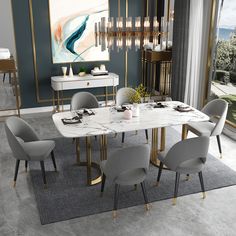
x: 140, y: 96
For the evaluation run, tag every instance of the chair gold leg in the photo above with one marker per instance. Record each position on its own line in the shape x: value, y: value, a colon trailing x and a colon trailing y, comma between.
x: 147, y: 207
x: 187, y: 177
x: 14, y: 184
x: 114, y: 214
x: 203, y: 195
x: 157, y: 183
x: 221, y: 156
x: 174, y: 201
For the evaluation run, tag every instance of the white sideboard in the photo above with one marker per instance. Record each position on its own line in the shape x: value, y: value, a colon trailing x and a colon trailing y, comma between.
x: 62, y: 83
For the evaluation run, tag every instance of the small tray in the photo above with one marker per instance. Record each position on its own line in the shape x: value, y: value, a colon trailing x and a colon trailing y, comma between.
x: 99, y: 72
x: 183, y: 109
x: 69, y: 121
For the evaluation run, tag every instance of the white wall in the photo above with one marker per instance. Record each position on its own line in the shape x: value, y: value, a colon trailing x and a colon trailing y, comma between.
x: 7, y: 39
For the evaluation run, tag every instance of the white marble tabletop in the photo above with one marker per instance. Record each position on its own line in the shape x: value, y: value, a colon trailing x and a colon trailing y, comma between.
x: 107, y: 120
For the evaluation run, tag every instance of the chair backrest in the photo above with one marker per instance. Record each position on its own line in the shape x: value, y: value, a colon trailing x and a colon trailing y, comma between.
x: 217, y: 107
x: 127, y: 159
x: 83, y: 100
x: 188, y: 149
x: 18, y: 132
x: 124, y: 95
x: 168, y: 99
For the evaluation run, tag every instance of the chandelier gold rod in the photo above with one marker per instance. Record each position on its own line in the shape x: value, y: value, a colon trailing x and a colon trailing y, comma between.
x: 126, y: 53
x: 118, y: 8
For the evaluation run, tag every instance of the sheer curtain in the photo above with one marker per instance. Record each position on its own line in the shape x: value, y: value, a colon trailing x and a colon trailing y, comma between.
x: 199, y: 23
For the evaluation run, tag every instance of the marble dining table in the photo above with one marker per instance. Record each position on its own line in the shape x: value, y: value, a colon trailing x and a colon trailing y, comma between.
x: 108, y: 120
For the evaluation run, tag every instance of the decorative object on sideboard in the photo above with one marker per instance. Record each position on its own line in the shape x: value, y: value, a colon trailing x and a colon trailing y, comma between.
x: 64, y: 70
x: 102, y: 67
x: 82, y: 71
x: 71, y: 74
x: 99, y: 71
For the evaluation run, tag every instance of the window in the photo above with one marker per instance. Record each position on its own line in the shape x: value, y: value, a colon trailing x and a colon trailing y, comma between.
x: 223, y: 84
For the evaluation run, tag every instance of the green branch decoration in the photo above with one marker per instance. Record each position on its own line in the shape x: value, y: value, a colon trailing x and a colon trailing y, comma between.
x: 141, y: 92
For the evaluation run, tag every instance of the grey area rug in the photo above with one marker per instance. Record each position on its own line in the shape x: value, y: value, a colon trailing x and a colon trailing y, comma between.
x: 69, y: 197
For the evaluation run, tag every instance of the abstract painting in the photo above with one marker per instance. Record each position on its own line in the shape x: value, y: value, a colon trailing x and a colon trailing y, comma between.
x: 72, y: 30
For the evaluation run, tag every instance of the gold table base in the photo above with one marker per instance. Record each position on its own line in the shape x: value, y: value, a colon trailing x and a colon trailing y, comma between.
x: 103, y: 153
x: 154, y: 144
x: 88, y: 163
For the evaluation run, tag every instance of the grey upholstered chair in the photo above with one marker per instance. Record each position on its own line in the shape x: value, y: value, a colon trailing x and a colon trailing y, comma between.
x: 215, y: 108
x: 123, y: 96
x: 83, y: 100
x: 185, y: 157
x: 127, y: 166
x: 26, y: 145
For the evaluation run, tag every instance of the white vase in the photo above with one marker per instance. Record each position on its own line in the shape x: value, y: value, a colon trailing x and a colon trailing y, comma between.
x: 71, y: 74
x: 64, y: 70
x: 135, y: 110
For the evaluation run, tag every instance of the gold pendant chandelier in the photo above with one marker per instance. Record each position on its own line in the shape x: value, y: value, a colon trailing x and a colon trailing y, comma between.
x: 134, y: 32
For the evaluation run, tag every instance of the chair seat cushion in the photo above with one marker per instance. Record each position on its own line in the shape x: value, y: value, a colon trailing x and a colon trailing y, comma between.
x: 190, y: 166
x: 201, y: 128
x: 38, y: 150
x: 131, y: 177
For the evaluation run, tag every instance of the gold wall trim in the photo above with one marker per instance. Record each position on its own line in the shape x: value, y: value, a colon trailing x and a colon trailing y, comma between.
x: 168, y: 11
x: 209, y: 57
x: 126, y: 52
x: 34, y: 51
x: 209, y: 51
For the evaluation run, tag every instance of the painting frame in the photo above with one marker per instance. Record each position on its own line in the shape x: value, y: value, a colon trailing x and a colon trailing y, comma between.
x: 61, y: 37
